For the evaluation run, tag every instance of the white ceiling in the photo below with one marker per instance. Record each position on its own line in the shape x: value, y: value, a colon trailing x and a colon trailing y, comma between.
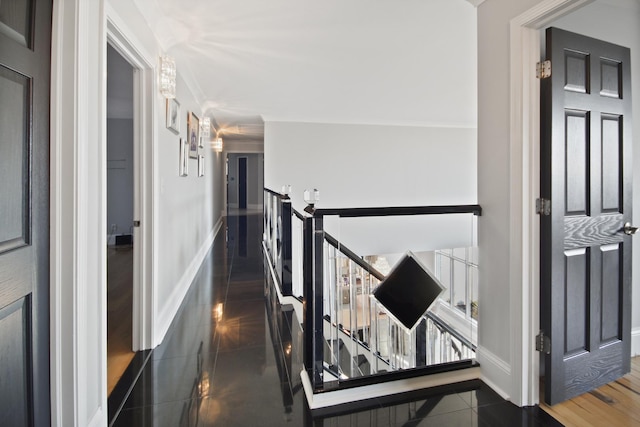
x: 410, y: 62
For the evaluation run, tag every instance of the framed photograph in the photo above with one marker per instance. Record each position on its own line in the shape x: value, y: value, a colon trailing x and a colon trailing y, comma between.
x: 193, y: 133
x: 200, y: 165
x: 184, y: 158
x: 173, y: 115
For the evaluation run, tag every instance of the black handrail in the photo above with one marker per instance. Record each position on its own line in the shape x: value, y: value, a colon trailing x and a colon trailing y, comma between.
x: 398, y: 211
x: 297, y: 214
x: 442, y: 325
x: 275, y: 193
x: 353, y: 256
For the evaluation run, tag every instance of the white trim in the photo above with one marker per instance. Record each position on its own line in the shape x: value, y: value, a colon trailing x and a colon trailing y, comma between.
x: 524, y: 180
x: 122, y: 39
x: 78, y: 223
x: 295, y: 302
x: 635, y: 342
x: 496, y: 373
x: 63, y: 390
x: 390, y: 388
x: 169, y: 311
x: 98, y: 418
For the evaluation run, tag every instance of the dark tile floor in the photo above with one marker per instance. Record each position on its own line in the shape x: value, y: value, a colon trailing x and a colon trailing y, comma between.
x: 232, y: 357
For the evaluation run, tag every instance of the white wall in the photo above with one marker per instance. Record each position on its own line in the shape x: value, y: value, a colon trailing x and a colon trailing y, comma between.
x: 188, y: 210
x: 370, y: 165
x: 494, y: 326
x: 496, y: 228
x: 381, y: 166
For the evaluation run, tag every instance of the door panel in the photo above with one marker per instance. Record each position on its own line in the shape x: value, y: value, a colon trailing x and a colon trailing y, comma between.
x: 14, y: 155
x: 25, y: 40
x: 15, y: 338
x: 585, y: 256
x: 16, y: 19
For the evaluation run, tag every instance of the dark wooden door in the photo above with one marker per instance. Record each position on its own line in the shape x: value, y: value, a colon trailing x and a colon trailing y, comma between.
x: 585, y: 255
x: 242, y: 182
x: 25, y: 40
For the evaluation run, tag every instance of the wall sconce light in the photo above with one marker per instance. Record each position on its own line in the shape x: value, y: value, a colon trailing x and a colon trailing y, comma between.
x: 167, y: 76
x: 216, y: 144
x: 205, y: 128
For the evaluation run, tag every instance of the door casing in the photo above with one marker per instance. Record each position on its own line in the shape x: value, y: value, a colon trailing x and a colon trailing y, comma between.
x: 525, y: 31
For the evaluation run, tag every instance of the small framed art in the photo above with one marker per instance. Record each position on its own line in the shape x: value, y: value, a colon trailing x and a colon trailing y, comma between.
x: 200, y: 165
x: 173, y: 115
x: 193, y: 132
x: 184, y: 158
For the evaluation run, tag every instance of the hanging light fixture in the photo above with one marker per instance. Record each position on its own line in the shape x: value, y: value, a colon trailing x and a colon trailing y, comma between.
x: 167, y: 76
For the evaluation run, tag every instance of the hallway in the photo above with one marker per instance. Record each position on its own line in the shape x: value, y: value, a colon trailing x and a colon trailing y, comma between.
x: 233, y: 357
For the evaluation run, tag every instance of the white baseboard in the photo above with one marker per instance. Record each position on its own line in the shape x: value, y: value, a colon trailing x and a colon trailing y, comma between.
x: 496, y: 373
x: 356, y: 394
x: 169, y: 311
x: 635, y: 342
x: 284, y: 300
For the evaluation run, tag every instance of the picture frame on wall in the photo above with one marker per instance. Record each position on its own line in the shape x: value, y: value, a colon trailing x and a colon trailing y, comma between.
x: 200, y: 165
x: 173, y: 115
x: 193, y: 133
x: 184, y: 158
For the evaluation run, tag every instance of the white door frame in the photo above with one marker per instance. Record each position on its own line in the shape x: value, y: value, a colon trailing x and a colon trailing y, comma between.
x: 144, y: 155
x: 78, y: 225
x: 525, y: 178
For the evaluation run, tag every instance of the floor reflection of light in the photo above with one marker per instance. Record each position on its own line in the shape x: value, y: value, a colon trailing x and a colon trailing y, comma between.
x: 218, y: 311
x: 204, y: 385
x: 287, y: 349
x: 213, y: 412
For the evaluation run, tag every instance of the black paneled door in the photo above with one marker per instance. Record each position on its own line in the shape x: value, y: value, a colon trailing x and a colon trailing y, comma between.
x: 585, y: 254
x: 25, y: 40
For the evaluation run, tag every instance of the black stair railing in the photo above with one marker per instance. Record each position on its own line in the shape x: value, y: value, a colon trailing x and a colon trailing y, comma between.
x: 278, y: 214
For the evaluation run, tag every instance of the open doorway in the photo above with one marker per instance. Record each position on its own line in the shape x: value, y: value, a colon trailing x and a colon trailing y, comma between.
x: 120, y: 216
x: 245, y: 182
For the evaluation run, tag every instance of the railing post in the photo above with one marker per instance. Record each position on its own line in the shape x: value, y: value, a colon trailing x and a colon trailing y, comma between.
x: 421, y: 343
x: 318, y: 302
x: 286, y: 264
x: 313, y: 353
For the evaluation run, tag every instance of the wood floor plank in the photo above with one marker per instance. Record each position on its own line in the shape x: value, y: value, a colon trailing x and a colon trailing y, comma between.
x: 614, y: 404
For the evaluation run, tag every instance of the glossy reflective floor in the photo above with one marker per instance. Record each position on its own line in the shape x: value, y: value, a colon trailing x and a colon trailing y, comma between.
x: 232, y: 357
x: 119, y: 308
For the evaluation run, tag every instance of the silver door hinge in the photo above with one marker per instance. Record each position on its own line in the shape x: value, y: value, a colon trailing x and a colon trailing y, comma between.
x: 136, y: 223
x: 543, y: 343
x: 543, y: 206
x: 543, y: 69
